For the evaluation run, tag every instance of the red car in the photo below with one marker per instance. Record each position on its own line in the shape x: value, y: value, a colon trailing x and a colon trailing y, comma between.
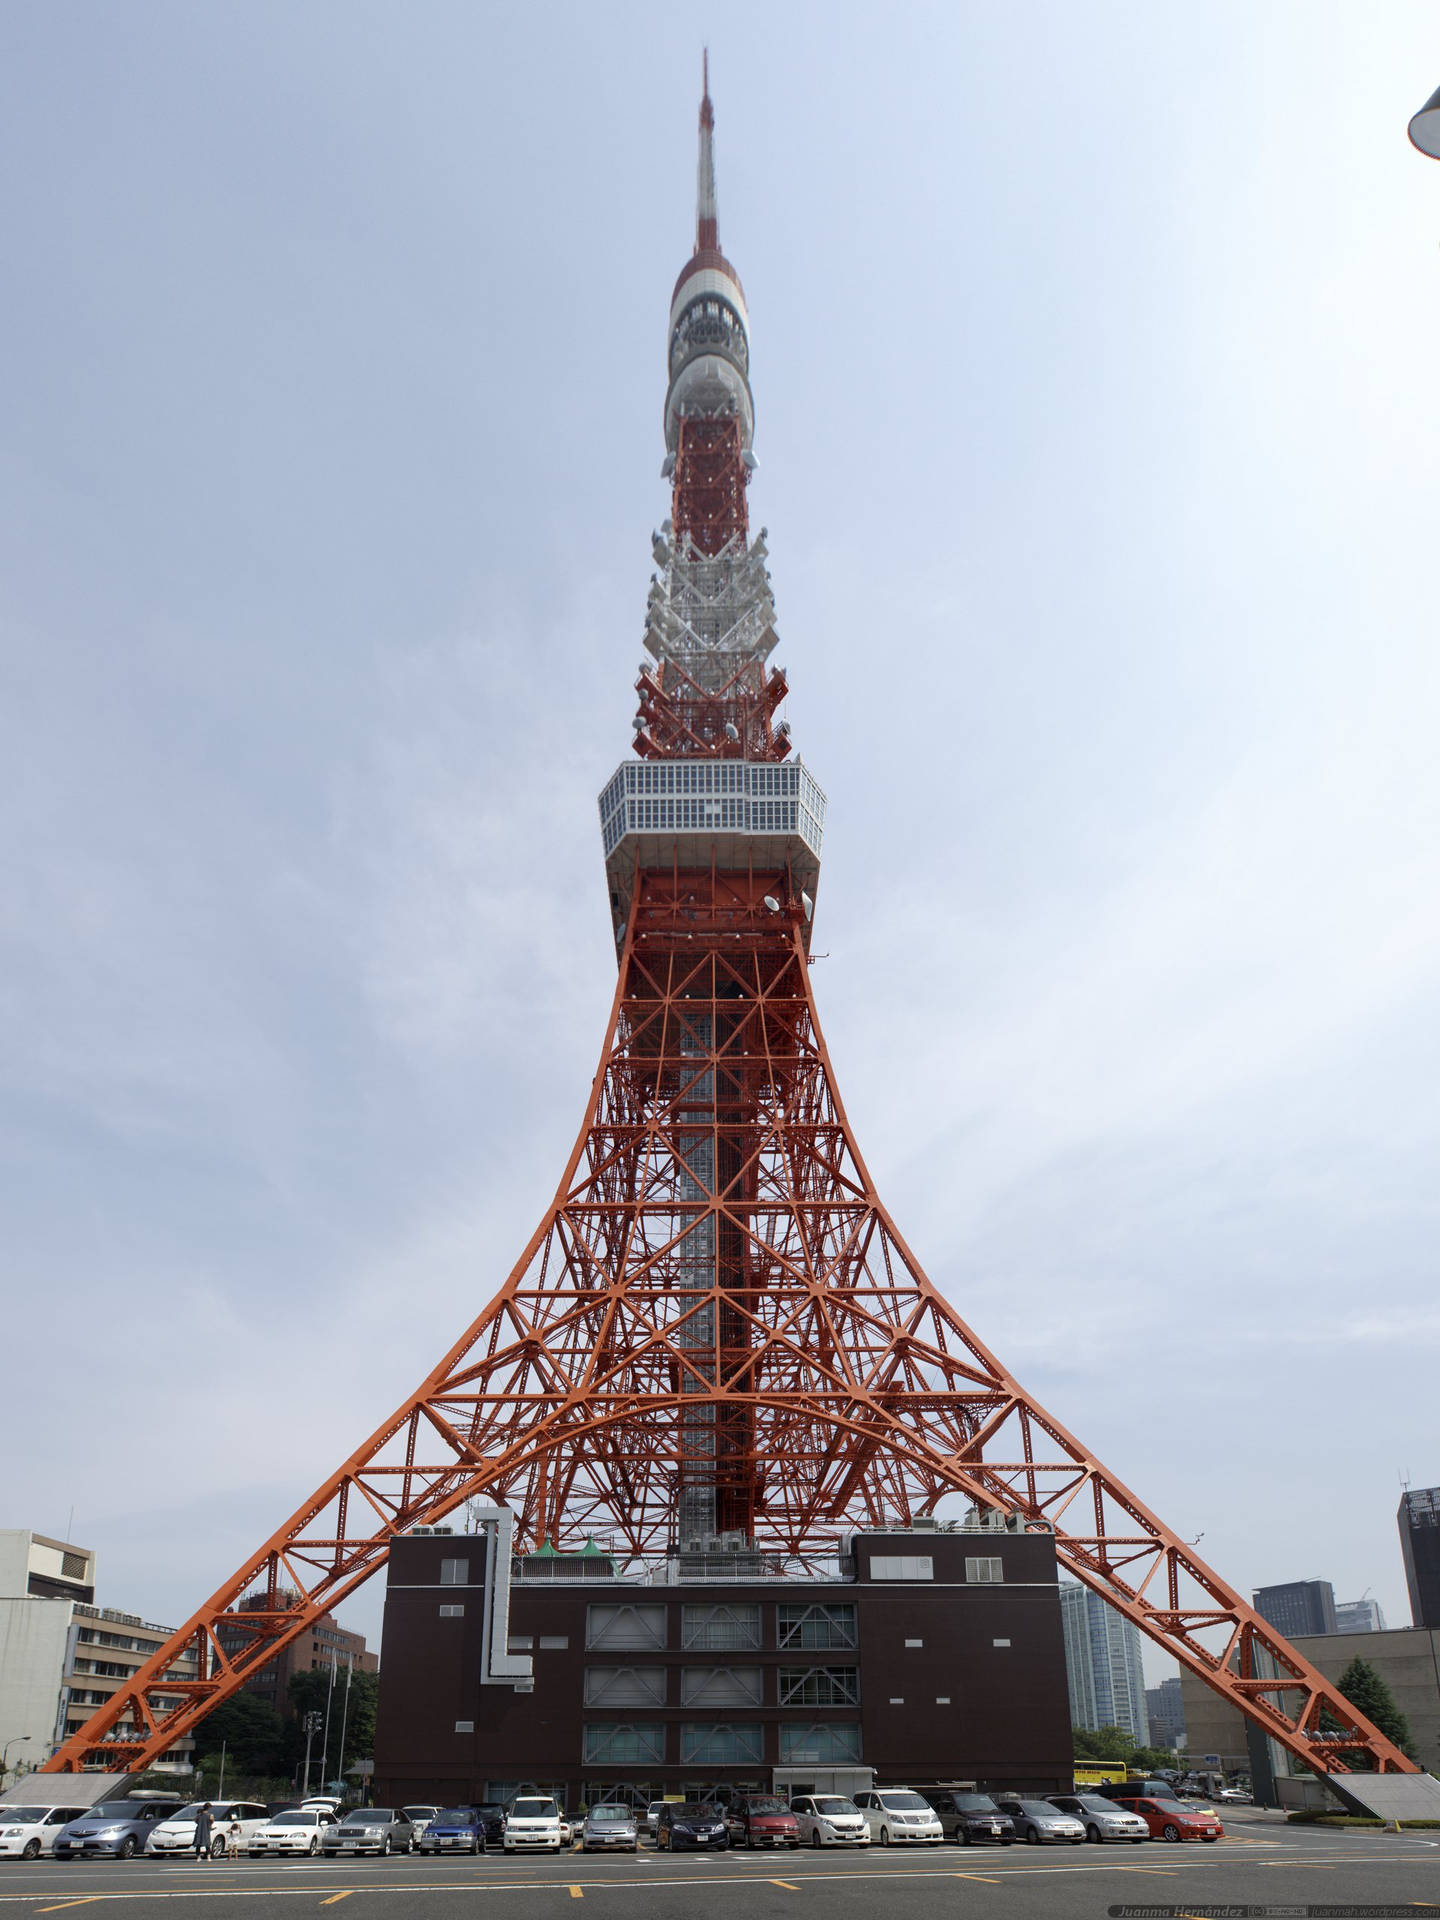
x: 1172, y: 1820
x: 760, y: 1820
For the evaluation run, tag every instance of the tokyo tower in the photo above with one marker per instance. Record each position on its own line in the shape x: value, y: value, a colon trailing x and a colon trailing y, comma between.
x: 717, y: 1329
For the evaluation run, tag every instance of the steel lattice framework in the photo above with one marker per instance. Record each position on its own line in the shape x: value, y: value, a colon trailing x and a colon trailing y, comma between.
x: 717, y: 1327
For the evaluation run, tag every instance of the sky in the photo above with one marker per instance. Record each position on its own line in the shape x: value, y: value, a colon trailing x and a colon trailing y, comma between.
x: 1095, y: 367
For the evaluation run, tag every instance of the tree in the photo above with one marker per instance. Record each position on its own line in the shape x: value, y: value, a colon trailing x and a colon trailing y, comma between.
x: 251, y: 1732
x: 1114, y: 1745
x: 1369, y: 1694
x: 310, y: 1691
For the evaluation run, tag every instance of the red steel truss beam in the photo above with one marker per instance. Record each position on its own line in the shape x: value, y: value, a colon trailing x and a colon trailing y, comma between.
x: 716, y: 1250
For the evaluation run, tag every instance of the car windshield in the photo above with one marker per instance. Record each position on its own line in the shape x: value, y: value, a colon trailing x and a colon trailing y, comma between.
x: 22, y: 1816
x: 534, y: 1810
x: 418, y: 1813
x: 1040, y: 1807
x: 766, y: 1806
x: 370, y: 1817
x: 696, y: 1810
x: 898, y: 1802
x: 456, y: 1817
x: 975, y: 1803
x: 115, y: 1810
x: 296, y: 1819
x: 1097, y: 1803
x: 611, y: 1813
x: 826, y: 1803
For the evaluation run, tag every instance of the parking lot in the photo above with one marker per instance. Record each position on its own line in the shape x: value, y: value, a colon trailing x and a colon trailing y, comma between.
x: 1262, y: 1862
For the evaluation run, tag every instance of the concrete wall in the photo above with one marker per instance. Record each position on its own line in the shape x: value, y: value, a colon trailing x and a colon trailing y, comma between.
x: 33, y: 1636
x: 1406, y: 1658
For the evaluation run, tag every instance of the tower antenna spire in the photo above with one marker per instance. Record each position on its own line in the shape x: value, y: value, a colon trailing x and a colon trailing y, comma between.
x: 707, y: 225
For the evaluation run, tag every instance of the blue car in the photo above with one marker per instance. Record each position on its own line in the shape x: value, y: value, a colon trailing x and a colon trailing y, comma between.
x: 454, y: 1830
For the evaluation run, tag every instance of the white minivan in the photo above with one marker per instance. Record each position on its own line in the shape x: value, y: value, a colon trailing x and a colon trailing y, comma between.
x: 532, y: 1820
x: 177, y: 1834
x: 900, y: 1817
x: 29, y: 1831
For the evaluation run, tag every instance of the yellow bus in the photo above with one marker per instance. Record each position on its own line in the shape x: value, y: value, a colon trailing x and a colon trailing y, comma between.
x: 1100, y: 1773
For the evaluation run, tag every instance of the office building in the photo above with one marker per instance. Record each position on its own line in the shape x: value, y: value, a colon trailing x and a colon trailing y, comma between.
x: 323, y: 1643
x: 1359, y: 1616
x: 1165, y: 1710
x: 1419, y: 1522
x: 1300, y: 1607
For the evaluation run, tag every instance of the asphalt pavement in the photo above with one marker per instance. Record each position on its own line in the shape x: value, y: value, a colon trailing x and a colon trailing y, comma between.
x: 1260, y: 1865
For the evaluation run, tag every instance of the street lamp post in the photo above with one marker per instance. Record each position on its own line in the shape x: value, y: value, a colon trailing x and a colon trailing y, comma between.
x: 1425, y: 127
x: 20, y: 1740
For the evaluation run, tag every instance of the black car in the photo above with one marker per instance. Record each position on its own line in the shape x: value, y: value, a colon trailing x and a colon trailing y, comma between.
x: 689, y: 1823
x: 968, y: 1817
x: 492, y: 1819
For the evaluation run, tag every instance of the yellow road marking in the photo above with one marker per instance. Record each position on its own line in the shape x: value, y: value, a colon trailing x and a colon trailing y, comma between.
x: 337, y: 1896
x: 989, y: 1878
x: 786, y: 1883
x: 86, y: 1901
x: 577, y: 1893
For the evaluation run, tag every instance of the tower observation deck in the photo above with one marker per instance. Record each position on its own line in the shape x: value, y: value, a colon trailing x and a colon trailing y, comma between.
x: 715, y: 785
x: 717, y: 1337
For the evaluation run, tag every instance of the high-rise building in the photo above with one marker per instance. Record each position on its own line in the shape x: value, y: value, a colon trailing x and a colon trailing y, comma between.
x: 1102, y: 1664
x: 324, y: 1643
x: 1165, y: 1709
x: 1419, y: 1521
x: 1359, y: 1616
x: 1301, y: 1606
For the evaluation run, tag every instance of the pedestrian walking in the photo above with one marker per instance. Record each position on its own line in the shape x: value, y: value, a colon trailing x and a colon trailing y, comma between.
x: 204, y: 1827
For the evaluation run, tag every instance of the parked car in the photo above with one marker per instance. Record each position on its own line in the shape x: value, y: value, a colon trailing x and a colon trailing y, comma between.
x: 532, y: 1820
x: 454, y: 1830
x: 116, y: 1828
x: 760, y: 1820
x: 1237, y: 1796
x: 609, y: 1828
x: 28, y: 1831
x: 1125, y: 1792
x: 968, y: 1817
x: 419, y: 1817
x: 1102, y: 1819
x: 370, y: 1830
x: 177, y: 1833
x: 1169, y: 1819
x: 829, y: 1820
x: 492, y: 1819
x: 691, y: 1823
x: 296, y: 1830
x: 900, y: 1817
x: 1041, y: 1824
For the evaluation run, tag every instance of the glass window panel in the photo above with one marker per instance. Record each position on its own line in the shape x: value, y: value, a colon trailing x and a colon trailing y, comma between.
x: 831, y: 1741
x: 818, y: 1627
x: 619, y: 1744
x: 721, y: 1745
x: 719, y: 1628
x: 720, y: 1686
x: 625, y: 1686
x: 819, y: 1686
x: 625, y: 1626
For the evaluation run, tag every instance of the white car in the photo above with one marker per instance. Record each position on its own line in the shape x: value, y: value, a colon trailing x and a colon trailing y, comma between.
x: 532, y: 1820
x: 297, y: 1831
x: 899, y: 1817
x: 830, y: 1820
x: 177, y: 1834
x: 29, y: 1831
x: 419, y: 1817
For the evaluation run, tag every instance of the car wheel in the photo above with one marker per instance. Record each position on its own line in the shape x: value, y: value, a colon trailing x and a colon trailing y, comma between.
x: 315, y: 1843
x: 127, y: 1847
x: 964, y: 1836
x: 815, y: 1839
x: 1092, y: 1834
x: 30, y: 1850
x: 1032, y: 1837
x: 385, y: 1845
x: 885, y: 1836
x: 1170, y: 1831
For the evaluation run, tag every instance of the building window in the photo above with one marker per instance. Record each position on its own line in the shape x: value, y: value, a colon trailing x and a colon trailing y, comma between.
x: 72, y: 1566
x: 901, y: 1566
x: 520, y: 1643
x: 721, y: 1746
x: 625, y: 1627
x: 464, y: 1726
x: 454, y: 1573
x: 985, y: 1573
x: 828, y: 1743
x: 715, y: 1629
x: 625, y: 1686
x: 914, y: 1643
x: 446, y: 1613
x: 720, y: 1686
x: 608, y: 1743
x: 819, y: 1627
x: 819, y: 1686
x: 999, y: 1643
x: 942, y: 1699
x: 554, y: 1642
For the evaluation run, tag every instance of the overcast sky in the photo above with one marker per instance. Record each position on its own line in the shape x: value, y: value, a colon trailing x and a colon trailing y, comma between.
x: 1095, y: 364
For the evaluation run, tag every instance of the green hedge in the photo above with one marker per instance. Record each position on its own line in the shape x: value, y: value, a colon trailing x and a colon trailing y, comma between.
x: 1310, y: 1817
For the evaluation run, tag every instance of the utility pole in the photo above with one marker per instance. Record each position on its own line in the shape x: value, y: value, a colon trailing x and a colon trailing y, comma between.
x: 344, y: 1719
x: 311, y: 1724
x: 325, y: 1749
x: 220, y: 1790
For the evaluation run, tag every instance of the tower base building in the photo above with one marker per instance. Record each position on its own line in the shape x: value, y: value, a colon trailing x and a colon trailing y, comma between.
x: 917, y: 1656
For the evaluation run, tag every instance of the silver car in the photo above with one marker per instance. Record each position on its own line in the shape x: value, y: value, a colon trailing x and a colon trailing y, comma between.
x: 1041, y: 1824
x: 610, y: 1827
x: 1101, y: 1818
x: 370, y: 1830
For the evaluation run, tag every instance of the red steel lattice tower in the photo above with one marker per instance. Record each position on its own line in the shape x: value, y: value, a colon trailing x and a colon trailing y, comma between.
x: 717, y: 1329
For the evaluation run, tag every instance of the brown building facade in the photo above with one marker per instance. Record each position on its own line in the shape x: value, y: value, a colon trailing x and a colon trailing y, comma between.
x: 324, y: 1641
x: 928, y: 1656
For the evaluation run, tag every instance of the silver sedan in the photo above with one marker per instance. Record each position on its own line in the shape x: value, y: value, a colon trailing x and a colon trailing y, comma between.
x: 1041, y: 1824
x: 609, y: 1828
x: 1102, y: 1819
x: 370, y: 1830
